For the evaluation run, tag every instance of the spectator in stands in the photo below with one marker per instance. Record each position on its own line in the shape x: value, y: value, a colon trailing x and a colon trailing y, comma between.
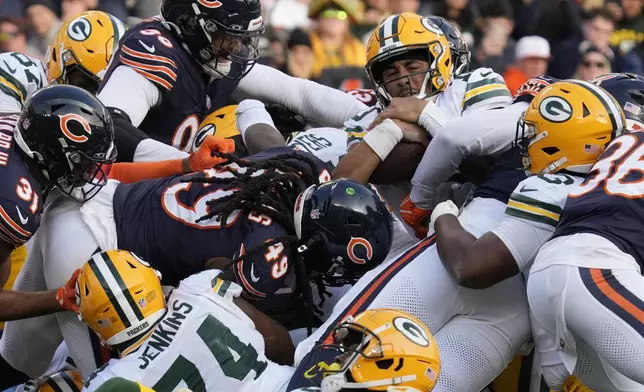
x: 495, y: 48
x: 554, y: 20
x: 375, y: 11
x: 45, y: 24
x: 71, y: 8
x: 531, y: 59
x: 629, y: 32
x: 597, y: 29
x: 462, y: 12
x: 400, y: 6
x: 594, y: 62
x: 13, y: 37
x: 332, y: 43
x: 289, y: 14
x: 299, y: 60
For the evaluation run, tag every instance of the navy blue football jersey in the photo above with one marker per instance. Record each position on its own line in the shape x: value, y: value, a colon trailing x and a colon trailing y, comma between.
x: 20, y: 193
x: 154, y: 51
x: 158, y: 220
x: 610, y: 202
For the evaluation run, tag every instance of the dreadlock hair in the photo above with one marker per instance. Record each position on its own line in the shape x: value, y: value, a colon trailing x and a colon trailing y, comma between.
x: 273, y: 193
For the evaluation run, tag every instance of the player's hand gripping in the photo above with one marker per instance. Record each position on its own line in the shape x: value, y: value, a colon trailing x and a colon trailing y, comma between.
x: 66, y: 295
x: 204, y: 158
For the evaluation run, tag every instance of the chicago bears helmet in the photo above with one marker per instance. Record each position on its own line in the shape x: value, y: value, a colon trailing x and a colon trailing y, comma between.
x: 68, y: 134
x: 461, y: 55
x: 344, y: 229
x: 628, y: 91
x: 222, y: 36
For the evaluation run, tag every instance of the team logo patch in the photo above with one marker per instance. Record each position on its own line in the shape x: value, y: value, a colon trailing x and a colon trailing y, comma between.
x: 412, y: 331
x: 555, y: 109
x: 79, y: 29
x: 210, y: 3
x: 431, y: 26
x: 352, y: 247
x: 143, y: 303
x: 67, y: 125
x: 207, y: 130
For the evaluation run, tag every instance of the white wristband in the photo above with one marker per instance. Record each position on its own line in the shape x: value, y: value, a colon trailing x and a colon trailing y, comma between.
x: 383, y: 138
x: 431, y: 117
x: 250, y: 112
x: 446, y: 207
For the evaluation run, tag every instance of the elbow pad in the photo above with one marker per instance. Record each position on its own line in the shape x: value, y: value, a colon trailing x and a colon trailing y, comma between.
x: 126, y: 136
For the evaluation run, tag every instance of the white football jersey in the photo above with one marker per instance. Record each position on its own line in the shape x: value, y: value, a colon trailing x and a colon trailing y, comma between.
x: 20, y: 76
x: 480, y: 89
x: 327, y: 144
x: 204, y: 343
x: 532, y: 214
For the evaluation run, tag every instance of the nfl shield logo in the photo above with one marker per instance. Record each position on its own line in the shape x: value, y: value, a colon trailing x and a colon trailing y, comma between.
x: 143, y: 303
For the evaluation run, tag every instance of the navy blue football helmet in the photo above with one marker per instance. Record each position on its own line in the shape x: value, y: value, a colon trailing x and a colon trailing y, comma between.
x: 222, y: 36
x: 628, y: 91
x: 68, y: 136
x: 344, y: 229
x: 461, y: 55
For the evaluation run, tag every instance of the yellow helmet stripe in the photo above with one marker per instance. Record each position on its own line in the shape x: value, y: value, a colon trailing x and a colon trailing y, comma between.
x: 612, y: 107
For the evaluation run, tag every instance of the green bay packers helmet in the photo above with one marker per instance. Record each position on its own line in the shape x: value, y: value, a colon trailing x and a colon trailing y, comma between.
x: 83, y: 48
x: 383, y: 350
x: 567, y: 126
x: 119, y: 296
x: 404, y: 36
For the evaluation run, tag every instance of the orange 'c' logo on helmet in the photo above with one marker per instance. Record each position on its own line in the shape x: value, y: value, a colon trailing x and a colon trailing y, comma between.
x: 355, y: 241
x: 64, y: 126
x: 210, y: 3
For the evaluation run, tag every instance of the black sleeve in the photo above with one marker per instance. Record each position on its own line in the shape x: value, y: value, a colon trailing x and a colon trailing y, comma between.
x: 126, y: 136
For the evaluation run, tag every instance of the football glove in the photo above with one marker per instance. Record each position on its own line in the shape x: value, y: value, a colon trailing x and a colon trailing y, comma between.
x: 204, y: 158
x: 417, y: 218
x: 66, y: 295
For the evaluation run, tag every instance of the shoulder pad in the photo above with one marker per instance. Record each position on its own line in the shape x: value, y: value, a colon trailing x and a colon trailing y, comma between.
x: 21, y: 76
x: 152, y: 51
x: 532, y: 87
x: 356, y: 126
x: 210, y: 282
x: 484, y: 86
x: 541, y: 198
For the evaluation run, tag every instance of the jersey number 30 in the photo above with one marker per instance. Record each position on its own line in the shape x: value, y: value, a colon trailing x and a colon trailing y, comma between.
x: 220, y: 340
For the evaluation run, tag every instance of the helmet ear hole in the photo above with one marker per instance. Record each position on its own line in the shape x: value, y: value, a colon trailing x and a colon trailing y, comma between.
x: 550, y: 150
x: 385, y: 364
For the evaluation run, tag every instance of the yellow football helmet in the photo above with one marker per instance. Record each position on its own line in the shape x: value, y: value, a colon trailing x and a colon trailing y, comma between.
x: 62, y: 381
x: 567, y: 126
x: 221, y: 123
x: 401, y: 36
x: 119, y: 384
x: 119, y: 296
x: 83, y: 48
x: 382, y: 350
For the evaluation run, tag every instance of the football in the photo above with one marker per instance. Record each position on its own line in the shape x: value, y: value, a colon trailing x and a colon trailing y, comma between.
x: 400, y: 164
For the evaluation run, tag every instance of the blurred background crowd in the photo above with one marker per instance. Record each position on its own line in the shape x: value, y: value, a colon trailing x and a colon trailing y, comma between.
x: 324, y: 40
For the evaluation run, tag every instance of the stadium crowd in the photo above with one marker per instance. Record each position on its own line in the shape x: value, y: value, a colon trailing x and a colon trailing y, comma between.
x: 516, y: 38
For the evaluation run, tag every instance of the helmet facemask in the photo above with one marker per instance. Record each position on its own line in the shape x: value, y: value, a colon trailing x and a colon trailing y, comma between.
x: 223, y: 51
x: 432, y: 84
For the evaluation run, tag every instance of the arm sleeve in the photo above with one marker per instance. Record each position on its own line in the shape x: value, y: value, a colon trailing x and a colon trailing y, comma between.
x: 131, y: 92
x: 133, y: 172
x: 17, y: 224
x: 522, y: 238
x: 483, y: 133
x: 320, y: 104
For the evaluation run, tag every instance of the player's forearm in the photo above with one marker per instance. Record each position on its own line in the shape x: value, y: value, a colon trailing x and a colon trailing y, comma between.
x: 320, y: 104
x: 453, y: 243
x: 16, y: 305
x: 358, y: 164
x: 256, y: 127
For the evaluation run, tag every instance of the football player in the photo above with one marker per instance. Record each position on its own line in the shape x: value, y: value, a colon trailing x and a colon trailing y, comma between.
x: 170, y: 71
x: 628, y: 90
x: 483, y: 134
x: 206, y: 337
x: 585, y: 285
